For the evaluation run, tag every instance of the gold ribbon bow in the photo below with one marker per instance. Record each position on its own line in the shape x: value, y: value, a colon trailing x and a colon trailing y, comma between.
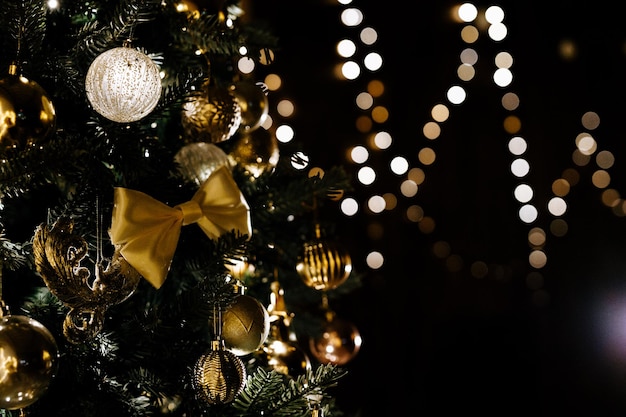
x: 147, y: 230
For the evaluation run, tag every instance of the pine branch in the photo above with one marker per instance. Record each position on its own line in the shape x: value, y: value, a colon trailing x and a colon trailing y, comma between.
x: 96, y: 37
x: 274, y: 395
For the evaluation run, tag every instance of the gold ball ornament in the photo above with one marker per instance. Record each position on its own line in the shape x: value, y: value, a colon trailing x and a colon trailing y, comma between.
x: 338, y: 343
x: 211, y: 115
x: 287, y: 358
x: 197, y: 161
x: 256, y: 151
x: 219, y: 375
x: 28, y: 361
x: 245, y: 325
x: 252, y: 98
x: 123, y: 84
x: 27, y: 115
x: 323, y: 264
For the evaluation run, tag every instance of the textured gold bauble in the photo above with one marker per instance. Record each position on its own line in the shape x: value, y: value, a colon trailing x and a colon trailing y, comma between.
x: 211, y: 115
x: 27, y: 114
x: 252, y: 98
x: 245, y: 325
x: 28, y: 361
x: 123, y: 84
x: 323, y: 264
x: 256, y: 151
x: 197, y: 161
x: 338, y: 342
x: 287, y: 358
x: 219, y: 376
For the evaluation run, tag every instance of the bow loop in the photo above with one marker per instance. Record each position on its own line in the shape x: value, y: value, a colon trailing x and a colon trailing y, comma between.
x: 147, y: 231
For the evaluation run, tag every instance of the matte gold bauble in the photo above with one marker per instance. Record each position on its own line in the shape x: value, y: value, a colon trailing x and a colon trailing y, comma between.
x: 211, y: 115
x: 252, y: 98
x: 256, y: 151
x: 245, y: 325
x: 197, y: 161
x: 338, y: 343
x: 323, y: 264
x: 123, y: 84
x: 219, y: 375
x: 28, y: 361
x: 27, y: 116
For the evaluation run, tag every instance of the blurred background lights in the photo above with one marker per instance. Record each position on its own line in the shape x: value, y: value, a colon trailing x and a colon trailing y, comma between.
x: 537, y: 259
x: 383, y: 140
x: 523, y: 193
x: 399, y: 165
x: 408, y: 188
x: 359, y: 154
x: 245, y: 65
x: 364, y: 101
x: 285, y: 108
x: 467, y: 12
x: 349, y: 206
x: 494, y: 15
x: 366, y: 175
x: 376, y: 204
x: 440, y: 113
x: 517, y: 145
x: 300, y: 161
x: 469, y: 56
x: 351, y: 17
x: 346, y: 48
x: 368, y: 36
x: 375, y: 260
x: 350, y: 70
x: 528, y: 213
x: 504, y: 60
x: 465, y: 72
x: 520, y: 167
x: 373, y: 61
x: 456, y: 94
x: 502, y: 77
x: 586, y: 144
x: 557, y: 206
x: 497, y: 32
x: 284, y: 133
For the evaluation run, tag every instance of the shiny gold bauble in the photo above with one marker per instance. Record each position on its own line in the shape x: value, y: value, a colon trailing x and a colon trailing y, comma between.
x: 211, y: 115
x: 245, y: 325
x: 28, y: 361
x: 256, y: 151
x: 123, y: 84
x: 219, y: 376
x: 27, y: 116
x: 323, y: 264
x: 338, y: 342
x: 197, y: 161
x: 254, y: 104
x: 286, y: 357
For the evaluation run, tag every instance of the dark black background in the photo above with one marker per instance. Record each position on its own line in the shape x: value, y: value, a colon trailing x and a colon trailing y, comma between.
x: 440, y: 343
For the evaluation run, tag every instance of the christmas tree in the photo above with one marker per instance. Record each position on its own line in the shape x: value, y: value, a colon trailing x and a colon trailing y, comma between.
x: 162, y: 252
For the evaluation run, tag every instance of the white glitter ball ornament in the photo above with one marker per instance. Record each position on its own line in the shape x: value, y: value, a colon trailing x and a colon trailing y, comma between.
x: 123, y: 84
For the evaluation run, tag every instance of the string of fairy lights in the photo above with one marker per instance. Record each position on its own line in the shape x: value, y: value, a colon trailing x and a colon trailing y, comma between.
x: 373, y: 114
x: 475, y: 22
